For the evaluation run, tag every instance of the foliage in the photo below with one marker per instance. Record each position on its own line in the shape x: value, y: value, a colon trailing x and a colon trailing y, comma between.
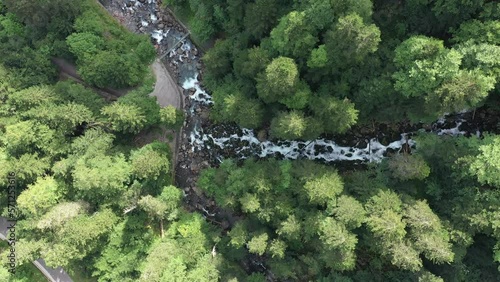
x: 299, y: 69
x: 149, y: 163
x: 407, y: 167
x: 124, y: 118
x: 172, y: 117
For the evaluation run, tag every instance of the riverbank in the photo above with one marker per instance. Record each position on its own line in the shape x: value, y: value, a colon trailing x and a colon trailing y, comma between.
x: 203, y: 144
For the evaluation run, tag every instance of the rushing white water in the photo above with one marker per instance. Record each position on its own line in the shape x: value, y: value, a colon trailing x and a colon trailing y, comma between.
x: 319, y: 149
x: 199, y: 95
x: 246, y: 144
x: 158, y: 35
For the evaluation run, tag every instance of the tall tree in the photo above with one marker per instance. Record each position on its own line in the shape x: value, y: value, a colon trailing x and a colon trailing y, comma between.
x: 294, y: 36
x: 337, y: 116
x: 294, y: 125
x: 486, y: 165
x: 125, y: 118
x: 40, y: 196
x: 350, y: 41
x: 148, y: 163
x: 46, y: 15
x: 278, y: 81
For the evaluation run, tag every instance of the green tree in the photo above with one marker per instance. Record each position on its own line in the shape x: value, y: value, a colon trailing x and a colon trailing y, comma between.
x: 277, y: 248
x: 258, y: 244
x: 31, y: 97
x: 84, y: 44
x: 232, y: 105
x: 349, y: 211
x: 294, y: 125
x: 318, y: 57
x: 64, y: 118
x: 486, y: 165
x: 79, y: 237
x: 257, y: 60
x: 334, y: 235
x: 125, y: 118
x: 73, y: 92
x: 350, y: 41
x: 154, y: 208
x: 294, y: 36
x: 290, y: 228
x: 172, y: 117
x: 28, y: 167
x: 478, y: 31
x: 238, y: 235
x: 465, y: 91
x: 148, y: 163
x: 405, y: 167
x: 121, y: 257
x: 480, y: 60
x: 217, y: 62
x: 337, y: 116
x: 427, y: 232
x: 46, y: 15
x: 260, y: 17
x: 325, y: 188
x: 278, y: 81
x: 202, y: 23
x: 453, y: 12
x: 110, y: 69
x: 101, y: 178
x: 165, y: 206
x: 61, y: 213
x: 30, y: 136
x: 39, y: 197
x: 205, y: 270
x: 424, y: 63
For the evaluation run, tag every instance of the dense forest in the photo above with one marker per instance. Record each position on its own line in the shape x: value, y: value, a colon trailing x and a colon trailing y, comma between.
x: 105, y: 208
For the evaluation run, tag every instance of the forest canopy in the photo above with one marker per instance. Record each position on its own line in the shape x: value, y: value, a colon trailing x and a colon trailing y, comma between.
x: 97, y: 201
x: 331, y: 64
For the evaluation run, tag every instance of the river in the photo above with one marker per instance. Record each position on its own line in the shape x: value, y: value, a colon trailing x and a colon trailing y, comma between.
x: 218, y: 142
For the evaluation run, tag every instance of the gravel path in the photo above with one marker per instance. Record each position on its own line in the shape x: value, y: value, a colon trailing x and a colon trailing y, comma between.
x: 166, y: 90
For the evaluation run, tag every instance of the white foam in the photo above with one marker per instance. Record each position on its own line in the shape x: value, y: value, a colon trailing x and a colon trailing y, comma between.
x: 199, y: 95
x: 454, y: 131
x: 319, y: 149
x: 158, y: 35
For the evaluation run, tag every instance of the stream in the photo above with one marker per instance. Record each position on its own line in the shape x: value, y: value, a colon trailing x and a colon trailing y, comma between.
x: 229, y: 141
x: 204, y: 144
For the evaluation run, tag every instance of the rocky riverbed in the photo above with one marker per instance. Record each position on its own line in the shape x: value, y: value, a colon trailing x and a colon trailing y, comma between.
x: 182, y: 60
x: 203, y: 144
